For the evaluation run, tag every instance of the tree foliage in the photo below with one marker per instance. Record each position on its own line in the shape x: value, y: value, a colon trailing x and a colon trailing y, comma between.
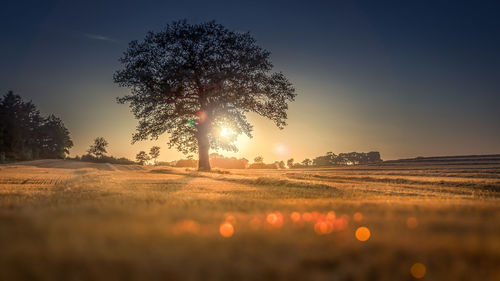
x: 191, y: 80
x: 351, y: 158
x: 306, y: 162
x: 154, y: 153
x: 98, y: 148
x: 55, y: 140
x: 142, y: 157
x: 258, y: 159
x: 26, y: 135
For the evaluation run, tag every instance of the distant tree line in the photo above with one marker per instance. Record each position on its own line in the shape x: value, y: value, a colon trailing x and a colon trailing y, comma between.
x: 216, y: 160
x: 185, y: 163
x: 27, y: 135
x: 330, y: 159
x: 142, y: 157
x: 97, y: 154
x: 343, y: 159
x: 219, y: 161
x: 98, y: 149
x: 258, y: 163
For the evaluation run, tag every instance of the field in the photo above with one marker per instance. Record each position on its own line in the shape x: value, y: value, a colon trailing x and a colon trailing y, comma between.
x: 64, y: 220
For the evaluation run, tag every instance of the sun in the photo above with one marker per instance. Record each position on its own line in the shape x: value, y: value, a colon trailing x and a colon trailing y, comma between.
x: 226, y: 132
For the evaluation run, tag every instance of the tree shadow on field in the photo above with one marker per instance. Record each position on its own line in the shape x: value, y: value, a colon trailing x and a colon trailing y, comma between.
x: 165, y: 186
x: 285, y: 189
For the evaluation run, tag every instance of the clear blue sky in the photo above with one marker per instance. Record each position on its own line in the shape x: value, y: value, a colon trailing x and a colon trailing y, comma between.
x: 406, y: 78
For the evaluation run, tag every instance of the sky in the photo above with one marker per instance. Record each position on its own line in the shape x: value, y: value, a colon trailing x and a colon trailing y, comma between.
x: 405, y: 78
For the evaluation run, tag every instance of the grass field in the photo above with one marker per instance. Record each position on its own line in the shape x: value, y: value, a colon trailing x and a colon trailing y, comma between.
x: 64, y: 220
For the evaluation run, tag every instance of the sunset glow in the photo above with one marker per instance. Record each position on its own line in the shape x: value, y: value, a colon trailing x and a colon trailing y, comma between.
x: 226, y: 132
x: 282, y: 150
x: 249, y: 140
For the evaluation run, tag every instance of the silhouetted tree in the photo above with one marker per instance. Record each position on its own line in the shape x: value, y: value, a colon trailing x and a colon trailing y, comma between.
x: 289, y: 163
x: 98, y: 149
x: 154, y: 152
x: 20, y: 123
x: 258, y: 159
x: 55, y: 139
x: 190, y: 80
x: 105, y: 159
x: 142, y: 157
x: 307, y: 162
x: 281, y: 165
x: 26, y: 135
x: 327, y: 160
x: 374, y: 157
x: 351, y: 158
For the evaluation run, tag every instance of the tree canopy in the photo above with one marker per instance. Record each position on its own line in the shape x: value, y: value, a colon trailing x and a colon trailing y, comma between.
x: 98, y: 148
x: 142, y: 157
x: 154, y: 153
x: 193, y: 80
x: 351, y: 158
x: 26, y: 135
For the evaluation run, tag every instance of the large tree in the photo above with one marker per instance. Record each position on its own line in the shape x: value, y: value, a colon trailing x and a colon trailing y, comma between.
x: 193, y: 80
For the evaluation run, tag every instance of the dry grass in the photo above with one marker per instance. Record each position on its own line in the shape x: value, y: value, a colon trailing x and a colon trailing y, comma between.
x: 62, y: 220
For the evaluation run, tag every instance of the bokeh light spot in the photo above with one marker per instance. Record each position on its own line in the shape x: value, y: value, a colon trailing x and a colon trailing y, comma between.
x: 323, y: 227
x: 340, y: 224
x: 231, y: 219
x: 186, y: 226
x: 345, y: 217
x: 418, y: 270
x: 307, y: 216
x: 363, y: 233
x: 358, y: 216
x: 295, y: 216
x: 255, y: 223
x: 330, y: 216
x: 275, y: 219
x: 226, y: 229
x: 412, y: 222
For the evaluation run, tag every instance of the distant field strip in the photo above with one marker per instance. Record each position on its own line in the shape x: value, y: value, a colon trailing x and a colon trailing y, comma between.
x: 464, y: 182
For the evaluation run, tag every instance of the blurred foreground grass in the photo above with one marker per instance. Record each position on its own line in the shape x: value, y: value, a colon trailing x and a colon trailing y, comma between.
x: 62, y: 220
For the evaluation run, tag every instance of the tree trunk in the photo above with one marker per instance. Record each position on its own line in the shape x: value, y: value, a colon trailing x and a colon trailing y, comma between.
x: 203, y: 147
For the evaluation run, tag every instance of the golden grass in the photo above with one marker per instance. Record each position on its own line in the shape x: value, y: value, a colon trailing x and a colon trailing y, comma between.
x: 63, y: 220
